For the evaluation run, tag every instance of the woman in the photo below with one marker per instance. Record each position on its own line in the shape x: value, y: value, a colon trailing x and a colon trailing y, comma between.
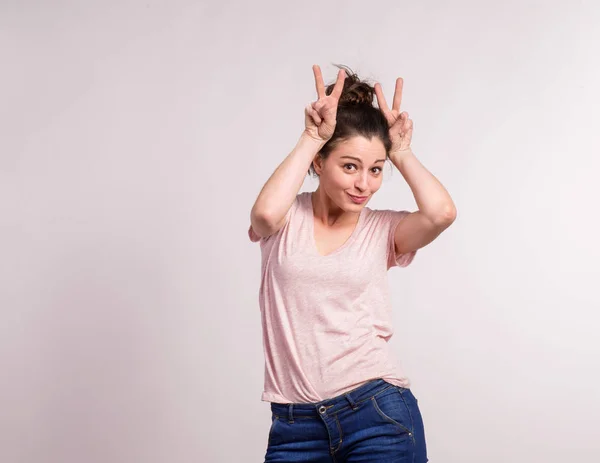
x: 336, y: 392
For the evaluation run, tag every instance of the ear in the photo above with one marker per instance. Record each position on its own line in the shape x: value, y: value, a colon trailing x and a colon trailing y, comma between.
x: 318, y: 164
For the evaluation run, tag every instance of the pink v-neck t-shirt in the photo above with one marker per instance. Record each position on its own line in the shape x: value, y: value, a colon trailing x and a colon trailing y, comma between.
x: 327, y: 319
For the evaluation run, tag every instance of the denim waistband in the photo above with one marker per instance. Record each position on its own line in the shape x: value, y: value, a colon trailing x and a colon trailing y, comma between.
x: 333, y: 405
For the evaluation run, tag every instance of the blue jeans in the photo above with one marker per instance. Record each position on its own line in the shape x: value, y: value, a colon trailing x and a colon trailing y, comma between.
x: 376, y: 422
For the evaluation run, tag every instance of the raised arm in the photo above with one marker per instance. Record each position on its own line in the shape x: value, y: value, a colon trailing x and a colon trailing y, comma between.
x: 277, y: 195
x: 279, y: 192
x: 436, y: 211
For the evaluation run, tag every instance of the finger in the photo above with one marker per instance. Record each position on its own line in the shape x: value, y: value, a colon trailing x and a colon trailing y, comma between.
x: 320, y: 85
x: 313, y: 114
x: 398, y: 94
x: 316, y: 117
x: 339, y: 84
x: 404, y: 127
x: 318, y: 105
x: 380, y: 99
x: 391, y: 119
x: 406, y: 121
x: 401, y: 122
x: 307, y: 111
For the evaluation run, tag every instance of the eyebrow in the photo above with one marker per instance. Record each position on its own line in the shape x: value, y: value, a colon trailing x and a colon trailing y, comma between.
x: 359, y: 160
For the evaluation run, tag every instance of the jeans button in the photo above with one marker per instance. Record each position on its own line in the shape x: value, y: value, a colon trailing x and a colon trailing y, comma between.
x: 322, y: 409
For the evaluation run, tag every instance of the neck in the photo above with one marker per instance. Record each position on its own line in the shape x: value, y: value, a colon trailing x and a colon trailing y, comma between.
x: 329, y: 213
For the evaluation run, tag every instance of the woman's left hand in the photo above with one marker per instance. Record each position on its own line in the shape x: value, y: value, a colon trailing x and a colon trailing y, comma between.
x: 401, y: 126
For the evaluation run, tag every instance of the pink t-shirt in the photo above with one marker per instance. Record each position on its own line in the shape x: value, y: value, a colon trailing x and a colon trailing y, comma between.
x: 326, y: 320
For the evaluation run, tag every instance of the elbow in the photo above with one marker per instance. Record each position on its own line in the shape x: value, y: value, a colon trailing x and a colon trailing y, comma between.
x: 262, y: 223
x: 262, y: 216
x: 447, y: 216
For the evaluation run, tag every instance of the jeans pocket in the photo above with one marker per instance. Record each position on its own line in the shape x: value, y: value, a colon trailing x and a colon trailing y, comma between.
x: 391, y: 406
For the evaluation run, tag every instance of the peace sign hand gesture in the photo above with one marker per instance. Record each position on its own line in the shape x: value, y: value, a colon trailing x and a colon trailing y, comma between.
x: 401, y: 127
x: 320, y: 116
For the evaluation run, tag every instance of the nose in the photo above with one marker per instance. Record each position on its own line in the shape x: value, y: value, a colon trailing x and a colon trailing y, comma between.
x: 361, y: 182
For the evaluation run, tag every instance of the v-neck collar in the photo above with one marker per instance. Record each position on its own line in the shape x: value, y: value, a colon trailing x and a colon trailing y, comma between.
x: 311, y: 227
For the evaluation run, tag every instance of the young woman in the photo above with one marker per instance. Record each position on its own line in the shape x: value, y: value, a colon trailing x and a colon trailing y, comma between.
x: 337, y: 394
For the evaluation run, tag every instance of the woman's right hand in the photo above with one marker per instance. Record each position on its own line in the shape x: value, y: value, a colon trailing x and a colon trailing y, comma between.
x: 320, y: 116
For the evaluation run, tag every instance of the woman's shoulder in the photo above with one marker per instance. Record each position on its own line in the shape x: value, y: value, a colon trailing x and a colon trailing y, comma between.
x: 384, y: 216
x: 374, y: 214
x: 384, y: 212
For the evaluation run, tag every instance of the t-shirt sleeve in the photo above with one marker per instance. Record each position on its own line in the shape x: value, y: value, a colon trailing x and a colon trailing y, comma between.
x: 392, y: 219
x: 252, y: 234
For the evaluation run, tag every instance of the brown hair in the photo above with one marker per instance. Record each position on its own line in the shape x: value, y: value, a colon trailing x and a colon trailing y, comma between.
x: 356, y: 115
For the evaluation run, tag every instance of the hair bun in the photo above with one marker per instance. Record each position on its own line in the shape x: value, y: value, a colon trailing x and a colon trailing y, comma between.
x: 355, y: 91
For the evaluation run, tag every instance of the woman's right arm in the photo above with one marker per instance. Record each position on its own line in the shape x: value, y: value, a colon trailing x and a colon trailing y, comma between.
x: 279, y: 192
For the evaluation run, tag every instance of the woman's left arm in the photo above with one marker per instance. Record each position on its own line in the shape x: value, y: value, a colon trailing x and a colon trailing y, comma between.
x: 436, y: 208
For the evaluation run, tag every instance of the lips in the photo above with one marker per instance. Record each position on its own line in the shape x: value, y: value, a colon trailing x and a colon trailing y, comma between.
x: 357, y: 199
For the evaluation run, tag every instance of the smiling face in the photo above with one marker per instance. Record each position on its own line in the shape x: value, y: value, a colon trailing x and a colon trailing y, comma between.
x: 354, y: 167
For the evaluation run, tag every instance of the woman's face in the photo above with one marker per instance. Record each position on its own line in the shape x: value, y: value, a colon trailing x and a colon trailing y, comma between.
x: 354, y: 167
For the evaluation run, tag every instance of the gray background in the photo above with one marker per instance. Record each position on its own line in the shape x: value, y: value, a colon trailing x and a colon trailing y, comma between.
x: 135, y: 137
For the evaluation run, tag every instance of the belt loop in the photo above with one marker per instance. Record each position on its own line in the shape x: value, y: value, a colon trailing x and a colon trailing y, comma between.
x: 352, y: 402
x: 291, y: 413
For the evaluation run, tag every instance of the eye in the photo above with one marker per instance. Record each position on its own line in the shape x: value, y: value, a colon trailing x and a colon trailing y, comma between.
x: 377, y: 170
